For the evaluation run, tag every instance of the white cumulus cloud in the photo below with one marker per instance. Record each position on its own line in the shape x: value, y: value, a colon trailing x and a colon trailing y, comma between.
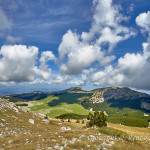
x: 132, y: 70
x: 143, y: 20
x: 19, y: 63
x: 76, y: 52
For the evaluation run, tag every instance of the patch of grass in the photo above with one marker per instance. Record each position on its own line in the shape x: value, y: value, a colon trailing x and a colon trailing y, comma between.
x: 49, y: 99
x: 39, y: 107
x: 83, y: 98
x: 56, y: 112
x: 69, y: 98
x: 124, y: 116
x: 68, y: 109
x: 78, y: 145
x: 129, y: 121
x: 115, y: 133
x: 42, y: 104
x: 78, y: 109
x: 125, y: 145
x: 62, y: 108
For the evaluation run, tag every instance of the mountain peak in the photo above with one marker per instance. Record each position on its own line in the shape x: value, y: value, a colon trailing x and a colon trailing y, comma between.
x: 75, y: 89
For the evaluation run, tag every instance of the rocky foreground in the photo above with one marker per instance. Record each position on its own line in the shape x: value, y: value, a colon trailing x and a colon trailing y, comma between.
x: 20, y: 130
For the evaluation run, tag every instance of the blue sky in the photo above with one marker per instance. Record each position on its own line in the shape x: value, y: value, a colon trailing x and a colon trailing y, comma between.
x: 51, y: 45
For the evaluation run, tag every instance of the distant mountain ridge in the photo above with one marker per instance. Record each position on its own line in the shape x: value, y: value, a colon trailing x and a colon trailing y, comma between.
x: 120, y: 93
x: 120, y: 97
x: 117, y: 96
x: 122, y: 105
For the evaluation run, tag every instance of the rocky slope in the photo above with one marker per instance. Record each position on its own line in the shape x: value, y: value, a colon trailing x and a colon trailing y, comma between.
x: 118, y: 96
x: 26, y: 130
x: 97, y: 97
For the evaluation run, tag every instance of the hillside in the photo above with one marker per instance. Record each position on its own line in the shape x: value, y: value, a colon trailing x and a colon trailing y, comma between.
x: 122, y: 105
x: 26, y: 130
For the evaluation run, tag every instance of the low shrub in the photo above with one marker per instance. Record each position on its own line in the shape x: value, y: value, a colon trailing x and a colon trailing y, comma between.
x: 98, y: 119
x: 71, y: 116
x: 24, y: 104
x: 78, y: 121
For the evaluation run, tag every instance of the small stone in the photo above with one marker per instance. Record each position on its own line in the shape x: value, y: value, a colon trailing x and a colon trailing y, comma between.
x: 73, y: 140
x: 56, y: 146
x: 60, y: 124
x: 91, y: 138
x: 106, y: 145
x: 1, y: 135
x: 65, y: 129
x: 112, y: 142
x: 104, y: 148
x: 68, y: 128
x: 31, y: 121
x: 46, y: 121
x: 49, y: 148
x: 10, y: 141
x: 88, y: 145
x: 2, y: 125
x: 3, y: 120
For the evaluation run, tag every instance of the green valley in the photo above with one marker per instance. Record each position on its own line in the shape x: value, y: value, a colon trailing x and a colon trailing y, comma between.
x: 122, y: 105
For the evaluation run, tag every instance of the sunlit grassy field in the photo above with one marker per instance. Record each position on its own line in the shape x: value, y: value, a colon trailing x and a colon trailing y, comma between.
x: 42, y: 106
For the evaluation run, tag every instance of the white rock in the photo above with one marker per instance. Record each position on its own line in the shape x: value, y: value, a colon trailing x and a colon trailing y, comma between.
x: 91, y: 138
x: 10, y: 141
x: 56, y: 146
x: 112, y: 142
x: 81, y: 136
x: 16, y: 110
x: 46, y: 121
x: 86, y: 129
x: 88, y: 145
x: 106, y: 145
x: 73, y: 140
x: 1, y: 135
x: 31, y: 121
x: 2, y: 125
x: 68, y: 128
x: 104, y: 148
x: 65, y: 129
x: 60, y: 124
x: 3, y: 120
x: 49, y: 148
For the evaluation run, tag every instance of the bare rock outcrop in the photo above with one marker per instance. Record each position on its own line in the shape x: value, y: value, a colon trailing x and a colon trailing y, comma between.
x: 97, y: 97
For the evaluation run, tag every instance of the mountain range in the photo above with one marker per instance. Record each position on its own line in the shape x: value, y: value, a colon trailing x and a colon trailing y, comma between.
x: 122, y: 105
